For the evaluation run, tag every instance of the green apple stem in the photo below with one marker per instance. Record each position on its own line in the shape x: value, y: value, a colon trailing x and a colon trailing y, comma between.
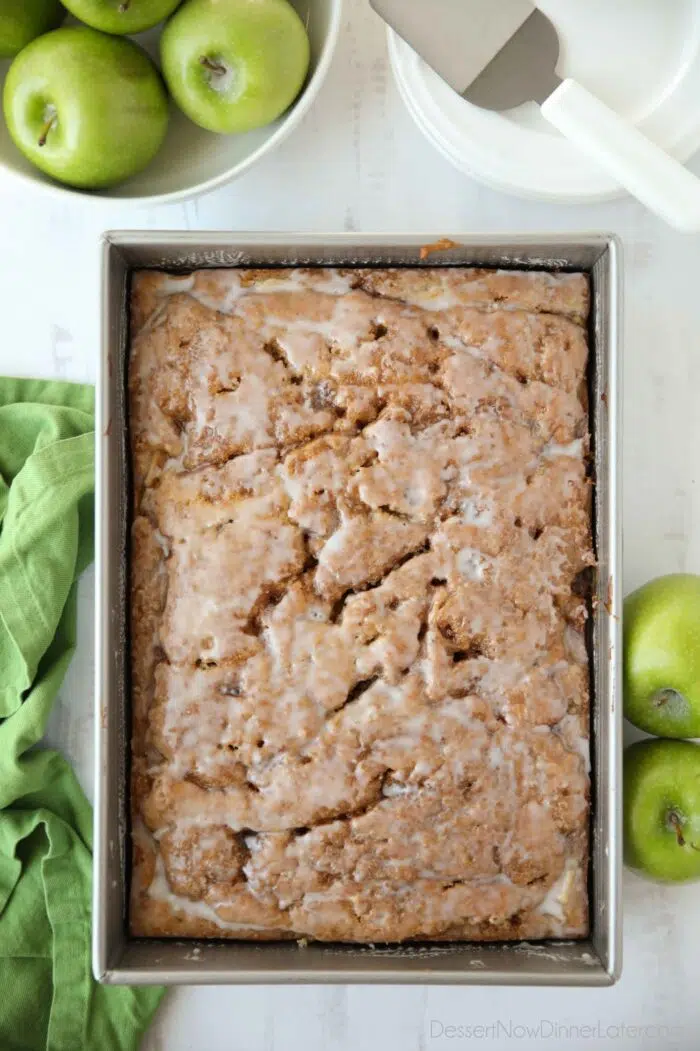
x: 674, y: 820
x: 214, y: 67
x: 220, y: 76
x: 50, y: 123
x: 124, y: 6
x: 672, y: 698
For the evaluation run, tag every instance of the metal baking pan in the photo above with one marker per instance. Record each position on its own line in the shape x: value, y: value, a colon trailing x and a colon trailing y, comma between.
x: 119, y: 958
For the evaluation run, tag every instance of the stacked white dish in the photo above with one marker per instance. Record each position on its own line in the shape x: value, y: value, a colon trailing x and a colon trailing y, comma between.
x: 642, y: 57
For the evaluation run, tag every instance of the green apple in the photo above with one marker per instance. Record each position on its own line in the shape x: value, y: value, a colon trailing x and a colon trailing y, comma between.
x: 121, y: 16
x: 86, y: 108
x: 234, y: 65
x: 662, y: 656
x: 22, y: 20
x: 661, y: 809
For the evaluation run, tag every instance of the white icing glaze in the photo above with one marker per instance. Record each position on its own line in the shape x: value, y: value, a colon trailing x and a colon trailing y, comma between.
x: 477, y: 513
x: 573, y: 450
x: 555, y: 901
x: 472, y: 564
x: 161, y: 891
x: 172, y: 284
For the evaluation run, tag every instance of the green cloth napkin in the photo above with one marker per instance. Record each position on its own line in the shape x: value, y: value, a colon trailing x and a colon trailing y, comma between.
x: 48, y: 998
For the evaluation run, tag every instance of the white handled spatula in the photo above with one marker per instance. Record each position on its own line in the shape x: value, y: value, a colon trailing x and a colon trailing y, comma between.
x: 498, y: 54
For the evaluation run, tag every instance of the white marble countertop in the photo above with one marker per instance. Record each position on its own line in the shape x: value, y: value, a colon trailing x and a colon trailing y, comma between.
x: 358, y: 163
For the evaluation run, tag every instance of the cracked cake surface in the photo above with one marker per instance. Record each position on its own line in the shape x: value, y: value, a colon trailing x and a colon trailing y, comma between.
x: 360, y: 683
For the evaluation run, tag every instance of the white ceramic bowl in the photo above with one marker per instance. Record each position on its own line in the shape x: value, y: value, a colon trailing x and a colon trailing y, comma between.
x: 194, y: 161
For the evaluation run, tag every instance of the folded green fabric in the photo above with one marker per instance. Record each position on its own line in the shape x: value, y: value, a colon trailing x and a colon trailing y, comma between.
x: 48, y: 998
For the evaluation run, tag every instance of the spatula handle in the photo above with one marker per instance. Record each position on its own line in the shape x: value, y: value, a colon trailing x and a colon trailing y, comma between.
x: 644, y: 169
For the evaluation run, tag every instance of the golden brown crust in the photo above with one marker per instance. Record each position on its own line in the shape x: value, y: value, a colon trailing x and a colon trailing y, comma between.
x: 360, y: 686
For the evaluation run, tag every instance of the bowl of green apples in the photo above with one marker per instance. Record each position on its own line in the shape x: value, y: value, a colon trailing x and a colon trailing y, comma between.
x: 155, y: 101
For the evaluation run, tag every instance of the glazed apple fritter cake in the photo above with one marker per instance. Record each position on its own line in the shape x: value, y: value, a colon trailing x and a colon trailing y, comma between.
x: 362, y: 516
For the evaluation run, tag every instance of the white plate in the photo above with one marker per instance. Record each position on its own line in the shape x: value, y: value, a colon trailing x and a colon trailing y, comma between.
x: 640, y: 56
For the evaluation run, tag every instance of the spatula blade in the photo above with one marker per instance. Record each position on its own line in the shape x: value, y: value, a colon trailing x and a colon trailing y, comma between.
x: 457, y: 38
x: 524, y: 70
